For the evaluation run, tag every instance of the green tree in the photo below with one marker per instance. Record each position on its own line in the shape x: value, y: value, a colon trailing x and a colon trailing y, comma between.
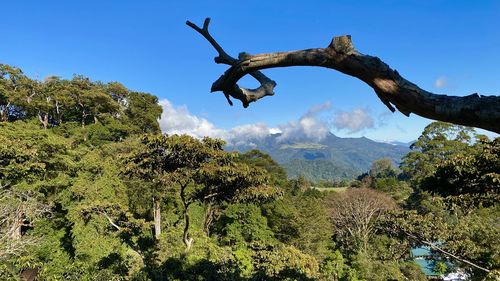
x: 32, y: 163
x: 263, y: 160
x: 477, y: 172
x: 284, y: 262
x: 333, y: 266
x: 143, y: 112
x: 383, y: 168
x: 440, y: 268
x: 438, y: 142
x: 398, y: 190
x: 301, y: 221
x: 203, y: 172
x: 242, y: 224
x: 55, y: 101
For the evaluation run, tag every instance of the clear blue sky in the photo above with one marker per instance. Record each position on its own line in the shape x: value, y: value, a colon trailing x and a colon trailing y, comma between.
x: 146, y: 46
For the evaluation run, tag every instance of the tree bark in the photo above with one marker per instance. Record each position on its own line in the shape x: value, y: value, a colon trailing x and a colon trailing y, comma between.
x: 44, y: 119
x: 188, y: 241
x: 58, y: 112
x: 4, y: 112
x: 157, y: 218
x: 209, y: 217
x: 84, y: 116
x: 16, y: 228
x: 392, y: 89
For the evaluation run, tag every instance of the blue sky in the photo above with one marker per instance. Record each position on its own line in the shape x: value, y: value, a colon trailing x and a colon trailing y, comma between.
x: 447, y: 47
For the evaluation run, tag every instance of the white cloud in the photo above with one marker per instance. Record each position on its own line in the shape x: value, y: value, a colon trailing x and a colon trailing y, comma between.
x: 441, y: 82
x: 273, y: 131
x: 178, y: 120
x: 245, y: 133
x: 308, y: 126
x: 319, y: 108
x: 353, y: 121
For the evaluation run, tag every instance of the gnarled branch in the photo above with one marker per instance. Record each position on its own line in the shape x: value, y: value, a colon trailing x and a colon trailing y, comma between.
x: 392, y: 89
x: 246, y: 96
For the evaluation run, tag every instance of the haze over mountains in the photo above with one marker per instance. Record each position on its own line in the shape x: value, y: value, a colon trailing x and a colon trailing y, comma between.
x: 329, y: 158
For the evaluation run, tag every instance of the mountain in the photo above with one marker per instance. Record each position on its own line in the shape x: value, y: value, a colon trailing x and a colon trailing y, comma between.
x: 330, y: 158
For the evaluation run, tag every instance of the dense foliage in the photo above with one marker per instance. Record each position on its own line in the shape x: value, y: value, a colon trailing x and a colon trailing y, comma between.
x: 89, y: 190
x: 64, y: 103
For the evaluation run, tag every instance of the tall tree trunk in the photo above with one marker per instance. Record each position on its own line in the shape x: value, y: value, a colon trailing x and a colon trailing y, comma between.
x: 3, y: 115
x: 30, y: 97
x: 209, y: 217
x: 157, y: 218
x: 44, y: 120
x: 16, y: 228
x: 4, y: 112
x: 188, y: 241
x: 58, y: 112
x: 84, y: 116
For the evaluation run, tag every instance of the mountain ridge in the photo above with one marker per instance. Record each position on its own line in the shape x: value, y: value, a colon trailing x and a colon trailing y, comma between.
x: 330, y: 158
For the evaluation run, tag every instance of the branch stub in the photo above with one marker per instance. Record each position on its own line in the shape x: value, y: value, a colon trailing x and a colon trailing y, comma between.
x: 342, y: 44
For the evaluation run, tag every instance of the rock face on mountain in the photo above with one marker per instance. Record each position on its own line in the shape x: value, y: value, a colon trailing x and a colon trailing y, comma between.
x: 330, y: 158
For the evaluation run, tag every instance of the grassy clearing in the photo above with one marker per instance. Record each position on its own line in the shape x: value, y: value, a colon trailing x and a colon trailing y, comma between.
x: 331, y: 189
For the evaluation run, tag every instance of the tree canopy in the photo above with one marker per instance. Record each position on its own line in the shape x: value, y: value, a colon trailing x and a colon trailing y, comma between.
x: 90, y: 190
x: 58, y: 102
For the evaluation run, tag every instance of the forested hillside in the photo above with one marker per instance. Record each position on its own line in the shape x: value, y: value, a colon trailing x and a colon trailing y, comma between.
x: 331, y: 158
x: 91, y: 190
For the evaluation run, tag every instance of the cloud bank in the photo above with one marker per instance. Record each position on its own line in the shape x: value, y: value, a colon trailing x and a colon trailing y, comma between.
x: 353, y: 121
x: 178, y: 120
x: 312, y: 125
x: 308, y: 126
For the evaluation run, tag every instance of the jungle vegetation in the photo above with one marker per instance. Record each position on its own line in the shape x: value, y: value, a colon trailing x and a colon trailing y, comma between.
x: 91, y: 190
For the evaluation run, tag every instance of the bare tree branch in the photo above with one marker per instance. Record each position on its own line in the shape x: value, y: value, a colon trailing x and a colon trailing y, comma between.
x: 433, y: 246
x: 246, y: 96
x: 102, y: 211
x: 110, y: 220
x: 391, y: 88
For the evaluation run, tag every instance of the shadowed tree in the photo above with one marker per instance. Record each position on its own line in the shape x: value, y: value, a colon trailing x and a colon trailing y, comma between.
x: 30, y: 163
x: 474, y: 173
x: 164, y: 161
x: 200, y: 170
